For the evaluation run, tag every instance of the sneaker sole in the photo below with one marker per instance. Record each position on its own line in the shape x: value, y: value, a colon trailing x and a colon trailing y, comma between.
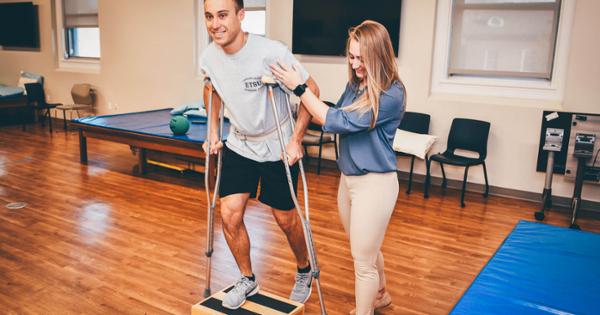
x: 307, y: 296
x: 253, y: 292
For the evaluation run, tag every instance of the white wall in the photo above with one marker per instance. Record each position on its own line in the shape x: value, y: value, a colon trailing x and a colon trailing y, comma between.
x: 147, y: 48
x: 148, y: 51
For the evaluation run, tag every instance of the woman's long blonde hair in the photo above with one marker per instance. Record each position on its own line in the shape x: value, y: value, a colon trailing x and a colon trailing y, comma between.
x: 379, y: 62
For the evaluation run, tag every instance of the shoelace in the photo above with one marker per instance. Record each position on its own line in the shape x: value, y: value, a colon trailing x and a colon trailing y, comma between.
x: 242, y: 285
x: 305, y: 278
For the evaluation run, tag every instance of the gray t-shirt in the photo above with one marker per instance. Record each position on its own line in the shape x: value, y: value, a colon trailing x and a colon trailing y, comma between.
x: 237, y: 79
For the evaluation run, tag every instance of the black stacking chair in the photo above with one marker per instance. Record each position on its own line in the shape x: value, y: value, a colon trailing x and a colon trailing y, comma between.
x: 319, y: 139
x: 36, y: 99
x: 417, y: 123
x: 465, y: 134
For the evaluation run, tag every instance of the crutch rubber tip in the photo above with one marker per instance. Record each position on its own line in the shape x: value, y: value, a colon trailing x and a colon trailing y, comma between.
x: 208, y: 253
x: 207, y: 292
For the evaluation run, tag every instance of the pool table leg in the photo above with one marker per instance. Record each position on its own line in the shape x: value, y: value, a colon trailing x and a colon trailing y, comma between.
x: 82, y: 148
x: 143, y: 163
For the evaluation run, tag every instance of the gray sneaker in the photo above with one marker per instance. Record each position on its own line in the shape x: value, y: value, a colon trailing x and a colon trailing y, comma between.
x: 302, y: 287
x: 241, y: 290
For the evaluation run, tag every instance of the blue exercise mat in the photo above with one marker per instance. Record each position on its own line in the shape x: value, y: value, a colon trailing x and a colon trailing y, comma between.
x: 539, y: 269
x: 154, y: 122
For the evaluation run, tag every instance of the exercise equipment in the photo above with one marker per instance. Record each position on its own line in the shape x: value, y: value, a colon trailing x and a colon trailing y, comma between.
x: 212, y: 202
x: 270, y: 83
x: 179, y: 125
x: 538, y: 269
x: 552, y: 144
x: 260, y: 303
x: 584, y: 146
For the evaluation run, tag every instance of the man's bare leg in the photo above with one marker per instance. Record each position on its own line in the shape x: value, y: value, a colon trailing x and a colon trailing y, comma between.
x: 290, y: 224
x: 233, y: 208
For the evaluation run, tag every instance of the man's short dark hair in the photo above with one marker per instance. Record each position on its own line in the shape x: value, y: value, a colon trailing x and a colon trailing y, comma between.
x: 239, y: 4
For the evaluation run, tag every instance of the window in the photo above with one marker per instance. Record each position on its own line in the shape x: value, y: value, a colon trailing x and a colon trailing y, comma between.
x: 83, y: 42
x: 254, y: 22
x: 498, y: 38
x: 81, y: 32
x: 515, y: 48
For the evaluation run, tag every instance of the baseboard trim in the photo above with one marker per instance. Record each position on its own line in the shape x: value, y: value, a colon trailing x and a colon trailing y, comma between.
x: 560, y: 202
x: 557, y: 202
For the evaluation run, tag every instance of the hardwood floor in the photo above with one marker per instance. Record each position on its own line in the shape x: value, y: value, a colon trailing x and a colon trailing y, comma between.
x: 99, y: 239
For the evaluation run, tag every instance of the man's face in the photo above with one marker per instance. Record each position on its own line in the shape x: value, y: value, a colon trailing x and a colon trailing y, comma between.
x: 222, y: 22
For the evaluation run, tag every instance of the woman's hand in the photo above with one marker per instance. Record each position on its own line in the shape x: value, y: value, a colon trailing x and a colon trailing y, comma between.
x: 287, y: 75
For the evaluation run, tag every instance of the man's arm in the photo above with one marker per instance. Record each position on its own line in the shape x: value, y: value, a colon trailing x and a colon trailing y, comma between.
x: 294, y: 147
x: 213, y: 133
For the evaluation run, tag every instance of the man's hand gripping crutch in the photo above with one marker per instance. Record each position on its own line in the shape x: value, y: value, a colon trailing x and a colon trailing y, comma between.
x: 212, y: 145
x: 304, y: 217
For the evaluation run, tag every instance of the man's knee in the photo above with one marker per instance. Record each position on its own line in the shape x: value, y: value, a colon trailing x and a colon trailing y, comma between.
x: 287, y: 220
x: 232, y: 212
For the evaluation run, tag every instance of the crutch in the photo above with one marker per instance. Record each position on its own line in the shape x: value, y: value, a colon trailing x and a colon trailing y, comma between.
x: 305, y: 219
x: 212, y: 202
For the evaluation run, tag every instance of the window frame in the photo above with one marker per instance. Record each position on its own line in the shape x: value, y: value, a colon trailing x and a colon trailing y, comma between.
x: 64, y: 61
x: 514, y: 87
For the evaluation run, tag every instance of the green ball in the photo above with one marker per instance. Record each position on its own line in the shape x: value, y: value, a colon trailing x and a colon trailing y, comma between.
x: 179, y: 125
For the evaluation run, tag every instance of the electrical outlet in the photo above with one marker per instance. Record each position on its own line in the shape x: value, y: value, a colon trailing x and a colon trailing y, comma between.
x: 116, y: 106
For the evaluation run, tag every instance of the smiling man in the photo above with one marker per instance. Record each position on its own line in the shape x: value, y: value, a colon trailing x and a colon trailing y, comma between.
x: 235, y: 61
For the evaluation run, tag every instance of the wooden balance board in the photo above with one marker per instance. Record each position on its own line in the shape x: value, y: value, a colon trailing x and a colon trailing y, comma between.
x: 260, y: 303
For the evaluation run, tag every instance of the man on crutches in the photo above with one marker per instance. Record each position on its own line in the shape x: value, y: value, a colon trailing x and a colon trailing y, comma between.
x: 235, y: 62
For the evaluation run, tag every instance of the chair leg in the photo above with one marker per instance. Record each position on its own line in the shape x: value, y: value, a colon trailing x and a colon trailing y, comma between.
x: 23, y: 117
x: 40, y: 117
x: 306, y: 155
x: 335, y: 147
x: 464, y: 187
x: 410, y: 175
x: 444, y: 182
x: 65, y: 119
x: 427, y: 178
x: 319, y: 163
x: 487, y: 186
x: 49, y: 120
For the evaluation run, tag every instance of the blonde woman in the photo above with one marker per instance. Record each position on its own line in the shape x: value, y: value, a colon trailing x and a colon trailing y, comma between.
x: 366, y: 118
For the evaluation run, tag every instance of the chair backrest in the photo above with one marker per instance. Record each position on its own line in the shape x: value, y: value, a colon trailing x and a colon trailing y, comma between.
x: 35, y: 94
x: 82, y: 94
x: 469, y: 134
x: 415, y: 122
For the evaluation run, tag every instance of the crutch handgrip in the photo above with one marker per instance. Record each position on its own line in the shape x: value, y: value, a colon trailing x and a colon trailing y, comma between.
x: 267, y: 80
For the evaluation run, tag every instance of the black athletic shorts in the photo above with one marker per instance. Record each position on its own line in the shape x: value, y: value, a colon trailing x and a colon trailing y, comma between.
x: 242, y: 175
